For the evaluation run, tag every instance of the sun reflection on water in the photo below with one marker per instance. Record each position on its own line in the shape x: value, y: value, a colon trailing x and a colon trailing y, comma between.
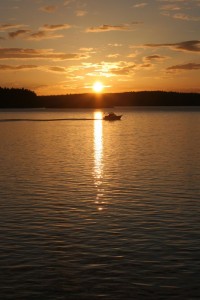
x: 98, y: 159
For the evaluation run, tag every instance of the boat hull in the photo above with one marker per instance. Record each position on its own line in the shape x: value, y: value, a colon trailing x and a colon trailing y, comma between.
x: 112, y: 118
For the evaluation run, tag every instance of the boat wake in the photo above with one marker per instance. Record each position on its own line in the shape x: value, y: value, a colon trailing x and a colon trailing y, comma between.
x: 47, y: 120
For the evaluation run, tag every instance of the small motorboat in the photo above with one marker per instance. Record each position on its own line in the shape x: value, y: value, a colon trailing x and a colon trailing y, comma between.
x: 112, y: 117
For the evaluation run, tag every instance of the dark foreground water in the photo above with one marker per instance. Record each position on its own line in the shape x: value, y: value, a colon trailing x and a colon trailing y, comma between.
x: 91, y: 209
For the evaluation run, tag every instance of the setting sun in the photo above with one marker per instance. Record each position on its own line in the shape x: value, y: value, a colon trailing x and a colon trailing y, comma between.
x: 98, y: 87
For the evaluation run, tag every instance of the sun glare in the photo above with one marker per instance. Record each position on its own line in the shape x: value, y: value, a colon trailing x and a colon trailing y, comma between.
x: 98, y: 87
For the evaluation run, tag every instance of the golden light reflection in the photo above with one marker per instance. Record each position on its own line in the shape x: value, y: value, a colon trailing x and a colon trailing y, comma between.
x: 98, y: 159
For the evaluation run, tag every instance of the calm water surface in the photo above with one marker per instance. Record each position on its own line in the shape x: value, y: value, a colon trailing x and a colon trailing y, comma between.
x: 91, y: 209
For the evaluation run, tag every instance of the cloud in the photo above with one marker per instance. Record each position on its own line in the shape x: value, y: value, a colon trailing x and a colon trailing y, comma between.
x: 121, y: 68
x: 105, y: 69
x: 104, y: 28
x: 185, y: 17
x: 15, y: 68
x: 54, y: 69
x: 67, y: 2
x: 172, y: 1
x: 55, y: 27
x: 57, y: 69
x: 155, y: 57
x: 8, y: 26
x: 124, y: 70
x: 80, y: 10
x: 177, y: 6
x: 81, y: 13
x: 146, y: 66
x: 45, y: 32
x: 113, y: 55
x: 42, y: 35
x: 87, y: 49
x: 131, y: 55
x: 170, y: 7
x: 37, y: 36
x: 188, y: 46
x: 115, y: 45
x: 18, y: 33
x: 49, y: 54
x: 140, y: 5
x: 187, y: 67
x: 49, y: 8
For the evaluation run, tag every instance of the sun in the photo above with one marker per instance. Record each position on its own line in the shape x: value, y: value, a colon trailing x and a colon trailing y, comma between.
x: 98, y: 87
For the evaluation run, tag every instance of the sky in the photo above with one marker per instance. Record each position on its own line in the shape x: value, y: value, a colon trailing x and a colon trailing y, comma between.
x: 65, y: 46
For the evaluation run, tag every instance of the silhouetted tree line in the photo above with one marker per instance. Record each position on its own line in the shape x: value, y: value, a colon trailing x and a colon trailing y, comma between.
x: 145, y: 98
x: 17, y: 98
x: 23, y: 98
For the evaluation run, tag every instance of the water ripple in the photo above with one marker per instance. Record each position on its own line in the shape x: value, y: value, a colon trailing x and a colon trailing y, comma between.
x: 100, y: 211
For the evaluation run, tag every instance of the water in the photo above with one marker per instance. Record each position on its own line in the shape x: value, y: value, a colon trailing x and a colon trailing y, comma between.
x: 91, y: 209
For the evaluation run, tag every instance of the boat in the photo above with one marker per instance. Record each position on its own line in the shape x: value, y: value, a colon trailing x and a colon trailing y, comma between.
x: 112, y: 117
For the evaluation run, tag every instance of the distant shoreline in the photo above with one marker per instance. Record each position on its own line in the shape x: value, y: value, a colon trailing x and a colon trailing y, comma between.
x: 23, y: 98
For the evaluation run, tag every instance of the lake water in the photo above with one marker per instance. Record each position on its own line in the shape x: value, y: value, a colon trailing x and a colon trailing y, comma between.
x: 92, y: 209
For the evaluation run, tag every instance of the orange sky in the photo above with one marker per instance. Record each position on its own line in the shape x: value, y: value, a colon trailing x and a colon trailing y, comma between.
x: 64, y: 46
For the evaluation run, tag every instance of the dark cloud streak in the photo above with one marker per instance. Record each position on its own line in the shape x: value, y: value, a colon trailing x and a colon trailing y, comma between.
x: 17, y: 33
x: 106, y: 27
x: 15, y: 68
x: 189, y: 46
x: 189, y: 67
x: 155, y: 57
x: 49, y: 54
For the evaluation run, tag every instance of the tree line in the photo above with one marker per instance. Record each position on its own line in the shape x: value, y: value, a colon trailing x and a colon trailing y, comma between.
x: 17, y: 98
x: 24, y: 98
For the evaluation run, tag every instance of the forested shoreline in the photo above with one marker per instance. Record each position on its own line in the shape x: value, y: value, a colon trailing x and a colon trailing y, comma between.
x: 24, y: 98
